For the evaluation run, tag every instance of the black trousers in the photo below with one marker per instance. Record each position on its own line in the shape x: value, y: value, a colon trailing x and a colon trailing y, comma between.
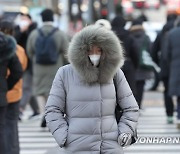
x: 2, y: 130
x: 178, y: 107
x: 140, y: 91
x: 168, y: 101
x: 11, y: 126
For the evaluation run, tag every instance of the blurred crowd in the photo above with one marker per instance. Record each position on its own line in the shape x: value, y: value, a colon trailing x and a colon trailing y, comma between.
x: 26, y: 72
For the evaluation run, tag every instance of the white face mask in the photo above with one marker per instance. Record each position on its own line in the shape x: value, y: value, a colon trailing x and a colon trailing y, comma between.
x: 23, y: 24
x: 95, y: 59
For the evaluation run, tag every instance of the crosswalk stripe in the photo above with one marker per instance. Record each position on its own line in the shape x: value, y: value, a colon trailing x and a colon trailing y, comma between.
x: 158, y: 135
x: 34, y: 139
x: 34, y: 129
x: 132, y: 152
x: 152, y: 123
x: 159, y: 131
x: 38, y: 145
x: 170, y: 126
x: 34, y: 134
x: 33, y: 151
x: 154, y: 148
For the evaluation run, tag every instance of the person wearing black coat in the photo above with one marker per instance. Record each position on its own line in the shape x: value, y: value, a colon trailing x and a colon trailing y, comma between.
x: 8, y: 60
x: 22, y: 32
x: 130, y: 50
x: 159, y: 48
x: 142, y: 40
x: 172, y: 58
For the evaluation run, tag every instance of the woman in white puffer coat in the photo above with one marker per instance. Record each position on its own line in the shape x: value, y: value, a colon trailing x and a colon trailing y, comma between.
x: 80, y: 111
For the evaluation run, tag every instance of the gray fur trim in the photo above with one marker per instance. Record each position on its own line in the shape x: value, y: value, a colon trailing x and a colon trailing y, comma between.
x: 9, y: 47
x: 111, y: 59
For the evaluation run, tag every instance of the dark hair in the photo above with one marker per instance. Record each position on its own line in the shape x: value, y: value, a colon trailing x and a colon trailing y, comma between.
x: 7, y: 27
x: 137, y: 21
x: 118, y: 21
x: 171, y: 17
x: 47, y: 15
x: 27, y: 15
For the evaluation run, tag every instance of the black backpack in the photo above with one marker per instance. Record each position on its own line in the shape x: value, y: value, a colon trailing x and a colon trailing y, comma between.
x: 46, y: 48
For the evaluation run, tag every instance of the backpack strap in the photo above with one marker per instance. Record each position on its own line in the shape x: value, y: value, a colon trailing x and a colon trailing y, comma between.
x: 50, y: 34
x: 145, y: 42
x: 41, y: 32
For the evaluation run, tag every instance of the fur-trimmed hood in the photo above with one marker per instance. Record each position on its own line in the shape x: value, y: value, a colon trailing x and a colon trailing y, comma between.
x: 111, y: 59
x: 7, y: 47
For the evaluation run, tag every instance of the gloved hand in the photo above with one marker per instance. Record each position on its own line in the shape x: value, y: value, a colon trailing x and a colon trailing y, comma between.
x: 125, y: 139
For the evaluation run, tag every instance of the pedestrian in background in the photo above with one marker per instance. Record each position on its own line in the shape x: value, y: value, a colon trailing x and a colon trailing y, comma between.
x: 172, y: 57
x: 24, y: 26
x: 141, y: 41
x: 80, y: 111
x: 130, y: 50
x: 13, y: 97
x: 8, y: 60
x: 158, y: 51
x: 46, y: 47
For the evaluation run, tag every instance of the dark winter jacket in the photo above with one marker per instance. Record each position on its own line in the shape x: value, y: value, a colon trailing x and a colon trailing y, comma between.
x: 141, y: 39
x: 22, y: 37
x: 159, y: 48
x: 130, y: 51
x: 87, y: 95
x: 172, y: 57
x: 8, y: 60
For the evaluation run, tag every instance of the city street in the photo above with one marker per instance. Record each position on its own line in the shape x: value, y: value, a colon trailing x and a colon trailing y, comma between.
x: 145, y: 32
x: 152, y: 123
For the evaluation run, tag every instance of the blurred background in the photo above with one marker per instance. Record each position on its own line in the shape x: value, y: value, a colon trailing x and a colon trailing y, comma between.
x: 71, y: 16
x: 88, y: 11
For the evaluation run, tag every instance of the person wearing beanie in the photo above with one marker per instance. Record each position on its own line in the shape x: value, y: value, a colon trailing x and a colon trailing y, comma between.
x: 80, y: 111
x: 47, y: 15
x: 43, y: 73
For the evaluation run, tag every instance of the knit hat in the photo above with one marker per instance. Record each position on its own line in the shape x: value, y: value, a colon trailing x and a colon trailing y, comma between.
x: 118, y: 21
x: 47, y: 15
x: 137, y: 22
